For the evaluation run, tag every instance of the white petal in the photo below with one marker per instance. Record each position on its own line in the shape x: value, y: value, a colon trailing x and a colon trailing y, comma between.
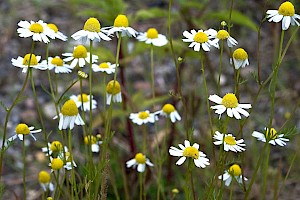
x: 180, y: 161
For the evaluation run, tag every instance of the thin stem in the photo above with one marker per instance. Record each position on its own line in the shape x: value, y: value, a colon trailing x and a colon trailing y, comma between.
x: 265, y: 172
x: 24, y: 167
x: 220, y: 67
x: 90, y: 86
x: 231, y: 190
x: 152, y: 73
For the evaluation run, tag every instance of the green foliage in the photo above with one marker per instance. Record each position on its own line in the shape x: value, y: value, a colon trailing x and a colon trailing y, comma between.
x: 152, y: 13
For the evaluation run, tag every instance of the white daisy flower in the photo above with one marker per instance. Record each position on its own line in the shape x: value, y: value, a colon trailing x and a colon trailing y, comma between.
x: 24, y: 62
x: 169, y: 110
x: 230, y: 104
x: 235, y: 172
x: 152, y: 37
x: 57, y: 64
x: 69, y: 116
x: 45, y: 181
x: 83, y: 101
x: 56, y: 33
x: 240, y: 58
x: 79, y: 56
x: 91, y: 31
x: 106, y: 67
x: 188, y: 151
x: 230, y: 144
x: 70, y: 163
x: 286, y: 14
x: 121, y: 25
x: 140, y: 160
x: 93, y: 142
x: 222, y: 35
x: 113, y: 92
x: 199, y: 39
x: 143, y: 117
x: 54, y: 149
x: 271, y: 136
x: 22, y: 130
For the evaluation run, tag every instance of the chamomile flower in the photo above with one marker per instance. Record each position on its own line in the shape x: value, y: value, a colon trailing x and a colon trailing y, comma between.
x: 143, y: 117
x: 152, y: 37
x: 140, y: 160
x: 106, y: 67
x: 271, y: 137
x: 222, y: 35
x: 91, y: 31
x: 121, y: 25
x: 30, y: 60
x: 199, y: 39
x: 54, y: 149
x: 58, y: 65
x: 56, y: 33
x: 69, y: 116
x: 188, y: 151
x: 70, y: 163
x: 286, y: 14
x: 45, y: 181
x: 168, y: 110
x: 94, y: 142
x: 83, y: 101
x: 234, y: 172
x: 113, y: 92
x: 240, y: 58
x: 39, y: 31
x: 80, y: 56
x: 230, y: 104
x: 56, y: 164
x: 22, y: 130
x: 230, y: 144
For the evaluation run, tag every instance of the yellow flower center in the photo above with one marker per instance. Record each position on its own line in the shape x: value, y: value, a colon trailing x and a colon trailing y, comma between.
x: 80, y: 52
x: 44, y: 177
x: 36, y: 28
x: 240, y: 54
x: 53, y: 27
x: 57, y: 163
x: 92, y: 25
x: 222, y: 35
x: 286, y: 9
x: 57, y: 61
x: 22, y: 129
x: 143, y: 115
x: 230, y: 101
x: 103, y: 65
x: 168, y: 108
x: 83, y: 98
x: 235, y: 170
x: 200, y: 37
x: 82, y: 74
x: 33, y: 60
x: 152, y: 33
x: 140, y: 158
x: 191, y: 152
x: 229, y: 140
x: 90, y: 139
x: 271, y: 134
x: 121, y: 21
x: 56, y: 146
x: 69, y: 108
x: 113, y: 87
x: 68, y: 157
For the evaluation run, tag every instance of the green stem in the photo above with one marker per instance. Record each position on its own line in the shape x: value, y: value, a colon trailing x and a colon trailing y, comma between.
x: 70, y: 159
x: 231, y: 190
x: 152, y: 73
x: 90, y: 86
x: 220, y: 69
x: 141, y: 185
x: 24, y: 167
x: 265, y: 172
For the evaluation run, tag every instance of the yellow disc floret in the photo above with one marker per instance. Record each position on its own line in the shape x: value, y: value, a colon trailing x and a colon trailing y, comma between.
x: 140, y: 158
x: 235, y: 170
x: 168, y: 108
x: 92, y: 25
x: 191, y: 152
x: 56, y: 146
x: 57, y: 61
x: 57, y: 163
x: 83, y: 98
x: 33, y: 60
x: 121, y: 21
x: 69, y: 108
x: 230, y: 101
x: 113, y: 87
x: 143, y: 115
x: 90, y: 139
x: 44, y: 177
x: 53, y: 27
x: 36, y: 28
x: 104, y: 65
x: 152, y: 33
x: 80, y: 52
x: 240, y: 54
x: 229, y: 140
x: 286, y: 9
x: 22, y: 129
x: 222, y: 35
x: 200, y: 37
x: 272, y: 134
